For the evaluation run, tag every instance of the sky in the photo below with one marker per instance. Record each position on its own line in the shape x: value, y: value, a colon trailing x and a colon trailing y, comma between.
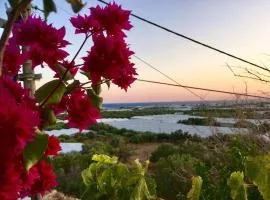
x: 239, y: 27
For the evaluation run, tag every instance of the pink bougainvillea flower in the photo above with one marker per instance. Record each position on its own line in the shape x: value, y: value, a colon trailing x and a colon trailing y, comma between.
x: 28, y: 179
x: 13, y: 59
x: 85, y: 24
x: 110, y: 58
x: 125, y: 78
x: 17, y: 128
x: 81, y: 112
x: 53, y: 146
x: 43, y: 181
x: 10, y: 179
x: 44, y: 41
x: 113, y: 19
x: 62, y: 106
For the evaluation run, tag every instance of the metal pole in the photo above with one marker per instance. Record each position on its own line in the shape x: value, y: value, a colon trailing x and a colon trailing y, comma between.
x: 28, y: 72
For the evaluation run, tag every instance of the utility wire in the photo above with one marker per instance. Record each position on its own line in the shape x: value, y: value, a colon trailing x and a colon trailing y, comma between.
x: 154, y: 68
x: 193, y: 40
x: 148, y: 64
x: 180, y: 85
x: 204, y: 89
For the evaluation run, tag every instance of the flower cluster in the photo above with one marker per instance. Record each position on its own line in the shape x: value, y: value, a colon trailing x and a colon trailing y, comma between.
x: 44, y: 41
x: 113, y: 19
x: 22, y: 116
x: 80, y: 110
x: 13, y: 59
x: 109, y: 57
x: 17, y: 129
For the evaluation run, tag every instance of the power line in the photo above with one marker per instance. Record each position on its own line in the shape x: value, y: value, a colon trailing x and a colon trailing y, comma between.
x: 154, y: 68
x: 193, y: 40
x: 186, y: 86
x: 64, y: 10
x: 204, y: 89
x: 148, y: 64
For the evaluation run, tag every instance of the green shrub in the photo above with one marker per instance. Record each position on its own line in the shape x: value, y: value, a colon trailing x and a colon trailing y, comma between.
x: 68, y: 168
x: 173, y: 175
x: 109, y: 179
x: 57, y: 126
x: 209, y: 121
x: 163, y: 151
x: 97, y: 148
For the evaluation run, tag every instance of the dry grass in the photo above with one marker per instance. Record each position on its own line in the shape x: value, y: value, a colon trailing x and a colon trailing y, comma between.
x: 143, y: 151
x: 54, y: 195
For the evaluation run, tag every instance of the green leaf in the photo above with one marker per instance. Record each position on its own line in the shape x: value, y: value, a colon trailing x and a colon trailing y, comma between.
x: 62, y: 71
x: 95, y: 99
x: 13, y: 3
x: 108, y: 83
x: 140, y: 190
x: 105, y: 159
x: 34, y: 151
x: 195, y: 191
x: 87, y: 176
x: 48, y: 7
x: 76, y: 5
x: 238, y: 186
x: 109, y: 179
x: 44, y: 91
x: 75, y: 84
x: 97, y: 88
x: 258, y: 170
x: 48, y: 117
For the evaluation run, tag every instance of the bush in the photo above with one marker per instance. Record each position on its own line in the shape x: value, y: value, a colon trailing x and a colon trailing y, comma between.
x: 57, y: 126
x: 173, y: 175
x: 209, y: 121
x: 163, y: 151
x: 136, y: 139
x: 97, y: 148
x: 109, y: 179
x: 68, y: 168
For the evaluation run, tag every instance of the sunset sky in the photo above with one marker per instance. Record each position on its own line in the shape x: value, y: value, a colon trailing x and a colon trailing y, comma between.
x: 240, y: 27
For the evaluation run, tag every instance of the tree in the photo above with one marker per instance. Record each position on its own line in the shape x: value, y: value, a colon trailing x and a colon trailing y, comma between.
x: 25, y: 147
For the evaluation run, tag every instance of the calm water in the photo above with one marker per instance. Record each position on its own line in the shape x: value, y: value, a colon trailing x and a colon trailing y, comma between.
x: 117, y: 106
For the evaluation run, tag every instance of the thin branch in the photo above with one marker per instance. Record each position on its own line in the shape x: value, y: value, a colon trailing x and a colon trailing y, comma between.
x: 65, y: 73
x: 253, y: 75
x: 261, y: 74
x: 13, y: 16
x: 79, y: 50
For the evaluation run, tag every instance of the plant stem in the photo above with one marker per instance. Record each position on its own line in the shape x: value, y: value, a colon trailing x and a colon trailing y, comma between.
x: 79, y: 50
x: 65, y: 73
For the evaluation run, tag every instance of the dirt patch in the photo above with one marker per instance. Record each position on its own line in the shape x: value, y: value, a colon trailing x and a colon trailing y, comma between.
x: 143, y: 151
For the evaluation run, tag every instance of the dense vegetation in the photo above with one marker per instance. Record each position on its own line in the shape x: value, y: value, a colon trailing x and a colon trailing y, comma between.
x: 210, y: 121
x: 138, y: 112
x: 172, y: 165
x: 237, y: 113
x: 182, y: 166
